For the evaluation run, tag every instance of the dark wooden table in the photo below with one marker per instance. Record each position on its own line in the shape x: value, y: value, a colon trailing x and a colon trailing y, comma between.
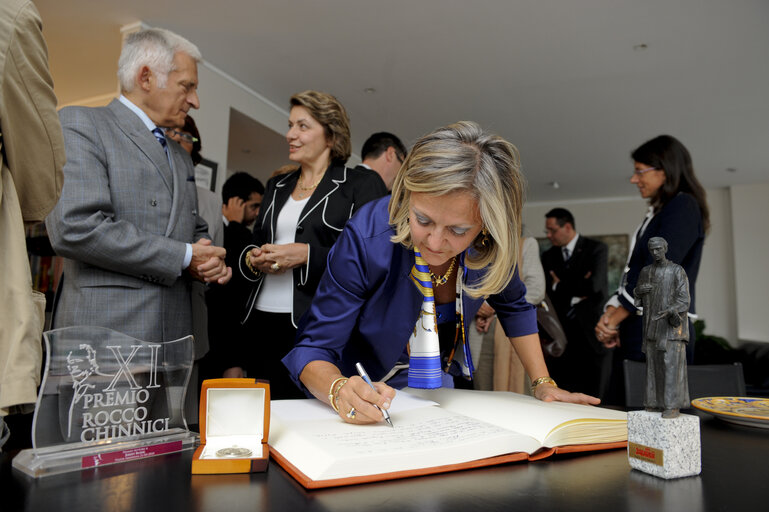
x: 735, y: 476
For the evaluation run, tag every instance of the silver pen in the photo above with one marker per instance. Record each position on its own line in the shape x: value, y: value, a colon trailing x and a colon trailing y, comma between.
x: 365, y: 377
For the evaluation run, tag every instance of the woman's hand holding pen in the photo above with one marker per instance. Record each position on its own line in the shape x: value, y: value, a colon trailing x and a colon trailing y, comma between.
x: 356, y: 400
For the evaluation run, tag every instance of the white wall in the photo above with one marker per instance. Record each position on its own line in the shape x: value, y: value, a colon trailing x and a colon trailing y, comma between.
x: 218, y: 93
x: 715, y: 284
x: 750, y: 212
x: 716, y: 294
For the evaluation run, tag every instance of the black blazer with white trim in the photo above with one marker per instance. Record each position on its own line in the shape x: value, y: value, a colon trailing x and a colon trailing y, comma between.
x: 340, y: 193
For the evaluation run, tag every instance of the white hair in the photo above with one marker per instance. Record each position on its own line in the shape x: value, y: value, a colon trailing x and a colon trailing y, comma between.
x: 155, y: 48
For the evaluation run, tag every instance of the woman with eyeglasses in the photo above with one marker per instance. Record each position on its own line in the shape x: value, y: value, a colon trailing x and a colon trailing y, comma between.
x: 678, y: 212
x: 302, y: 214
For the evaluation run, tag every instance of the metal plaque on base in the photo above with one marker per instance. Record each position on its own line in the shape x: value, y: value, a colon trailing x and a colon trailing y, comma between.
x: 107, y: 398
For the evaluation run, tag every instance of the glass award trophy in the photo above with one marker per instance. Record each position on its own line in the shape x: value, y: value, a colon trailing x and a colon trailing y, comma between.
x: 107, y: 398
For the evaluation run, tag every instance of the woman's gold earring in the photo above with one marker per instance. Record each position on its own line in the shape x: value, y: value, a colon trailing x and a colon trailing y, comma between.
x: 485, y: 238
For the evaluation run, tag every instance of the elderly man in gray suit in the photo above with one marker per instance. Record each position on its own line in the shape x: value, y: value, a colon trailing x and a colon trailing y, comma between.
x: 127, y: 219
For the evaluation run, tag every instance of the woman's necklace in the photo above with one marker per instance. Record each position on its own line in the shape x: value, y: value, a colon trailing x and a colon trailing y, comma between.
x: 303, y: 190
x: 441, y: 280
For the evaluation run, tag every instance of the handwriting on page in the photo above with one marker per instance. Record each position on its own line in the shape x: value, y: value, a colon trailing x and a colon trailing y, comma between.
x: 413, y: 436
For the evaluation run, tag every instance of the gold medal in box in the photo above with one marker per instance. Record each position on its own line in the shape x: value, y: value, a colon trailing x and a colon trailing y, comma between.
x: 234, y: 427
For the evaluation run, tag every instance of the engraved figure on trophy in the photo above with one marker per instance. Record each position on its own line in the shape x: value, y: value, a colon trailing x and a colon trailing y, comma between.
x: 663, y: 293
x: 80, y: 368
x: 109, y: 390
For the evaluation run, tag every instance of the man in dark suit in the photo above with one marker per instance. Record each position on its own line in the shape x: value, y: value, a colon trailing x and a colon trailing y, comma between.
x: 384, y: 153
x: 241, y: 200
x: 127, y: 219
x: 577, y: 284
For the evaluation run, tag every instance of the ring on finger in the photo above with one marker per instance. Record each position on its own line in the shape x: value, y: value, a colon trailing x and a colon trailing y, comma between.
x: 275, y: 266
x: 352, y: 413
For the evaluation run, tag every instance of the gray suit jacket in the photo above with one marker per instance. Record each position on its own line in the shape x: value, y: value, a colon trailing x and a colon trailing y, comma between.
x: 122, y: 222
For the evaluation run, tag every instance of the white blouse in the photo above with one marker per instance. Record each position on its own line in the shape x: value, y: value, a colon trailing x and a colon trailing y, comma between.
x: 277, y: 291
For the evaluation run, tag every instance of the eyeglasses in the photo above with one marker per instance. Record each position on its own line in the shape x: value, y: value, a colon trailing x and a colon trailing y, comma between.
x: 639, y: 172
x: 184, y: 136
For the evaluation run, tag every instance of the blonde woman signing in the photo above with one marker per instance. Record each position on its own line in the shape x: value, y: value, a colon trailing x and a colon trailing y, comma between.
x: 428, y: 255
x: 302, y: 214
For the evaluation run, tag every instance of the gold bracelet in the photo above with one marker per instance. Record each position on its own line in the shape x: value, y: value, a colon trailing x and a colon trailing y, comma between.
x: 333, y: 391
x: 254, y: 271
x: 543, y: 380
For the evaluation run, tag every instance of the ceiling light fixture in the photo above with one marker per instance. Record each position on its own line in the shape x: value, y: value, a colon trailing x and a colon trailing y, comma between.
x: 640, y: 47
x: 369, y: 90
x: 554, y: 184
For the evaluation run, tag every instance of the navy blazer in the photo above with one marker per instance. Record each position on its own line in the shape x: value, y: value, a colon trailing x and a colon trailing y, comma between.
x: 366, y: 306
x: 340, y: 193
x: 680, y: 224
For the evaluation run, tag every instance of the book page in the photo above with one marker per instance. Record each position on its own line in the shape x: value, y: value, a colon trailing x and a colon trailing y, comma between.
x: 551, y: 423
x: 306, y: 410
x: 421, y: 438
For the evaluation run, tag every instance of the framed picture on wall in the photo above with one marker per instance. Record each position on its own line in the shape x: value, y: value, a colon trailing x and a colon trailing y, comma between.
x: 205, y: 174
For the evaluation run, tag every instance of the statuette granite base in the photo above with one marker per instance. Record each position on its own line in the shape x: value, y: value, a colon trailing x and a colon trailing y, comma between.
x: 665, y: 448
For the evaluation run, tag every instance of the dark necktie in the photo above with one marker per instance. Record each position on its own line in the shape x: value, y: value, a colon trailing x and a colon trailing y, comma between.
x: 566, y: 254
x: 161, y: 137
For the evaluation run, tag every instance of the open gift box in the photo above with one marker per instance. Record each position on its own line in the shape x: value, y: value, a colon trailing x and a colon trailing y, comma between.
x: 234, y: 427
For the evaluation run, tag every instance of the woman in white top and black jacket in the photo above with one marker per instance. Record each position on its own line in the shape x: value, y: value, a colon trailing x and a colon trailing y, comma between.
x: 301, y: 216
x: 678, y: 212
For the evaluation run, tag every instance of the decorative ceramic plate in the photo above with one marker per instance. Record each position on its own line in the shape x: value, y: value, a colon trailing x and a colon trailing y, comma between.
x: 753, y: 412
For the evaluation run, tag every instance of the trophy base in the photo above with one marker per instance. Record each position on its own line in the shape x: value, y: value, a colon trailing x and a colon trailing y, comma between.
x: 665, y: 448
x: 53, y: 460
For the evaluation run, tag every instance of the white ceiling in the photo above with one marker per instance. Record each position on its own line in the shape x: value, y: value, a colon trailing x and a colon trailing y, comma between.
x: 561, y: 79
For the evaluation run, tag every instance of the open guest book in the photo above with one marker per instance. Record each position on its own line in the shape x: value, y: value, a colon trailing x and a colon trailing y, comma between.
x: 435, y: 431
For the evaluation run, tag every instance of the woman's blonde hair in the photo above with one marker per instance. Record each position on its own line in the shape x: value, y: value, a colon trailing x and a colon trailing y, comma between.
x: 327, y: 110
x: 462, y: 157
